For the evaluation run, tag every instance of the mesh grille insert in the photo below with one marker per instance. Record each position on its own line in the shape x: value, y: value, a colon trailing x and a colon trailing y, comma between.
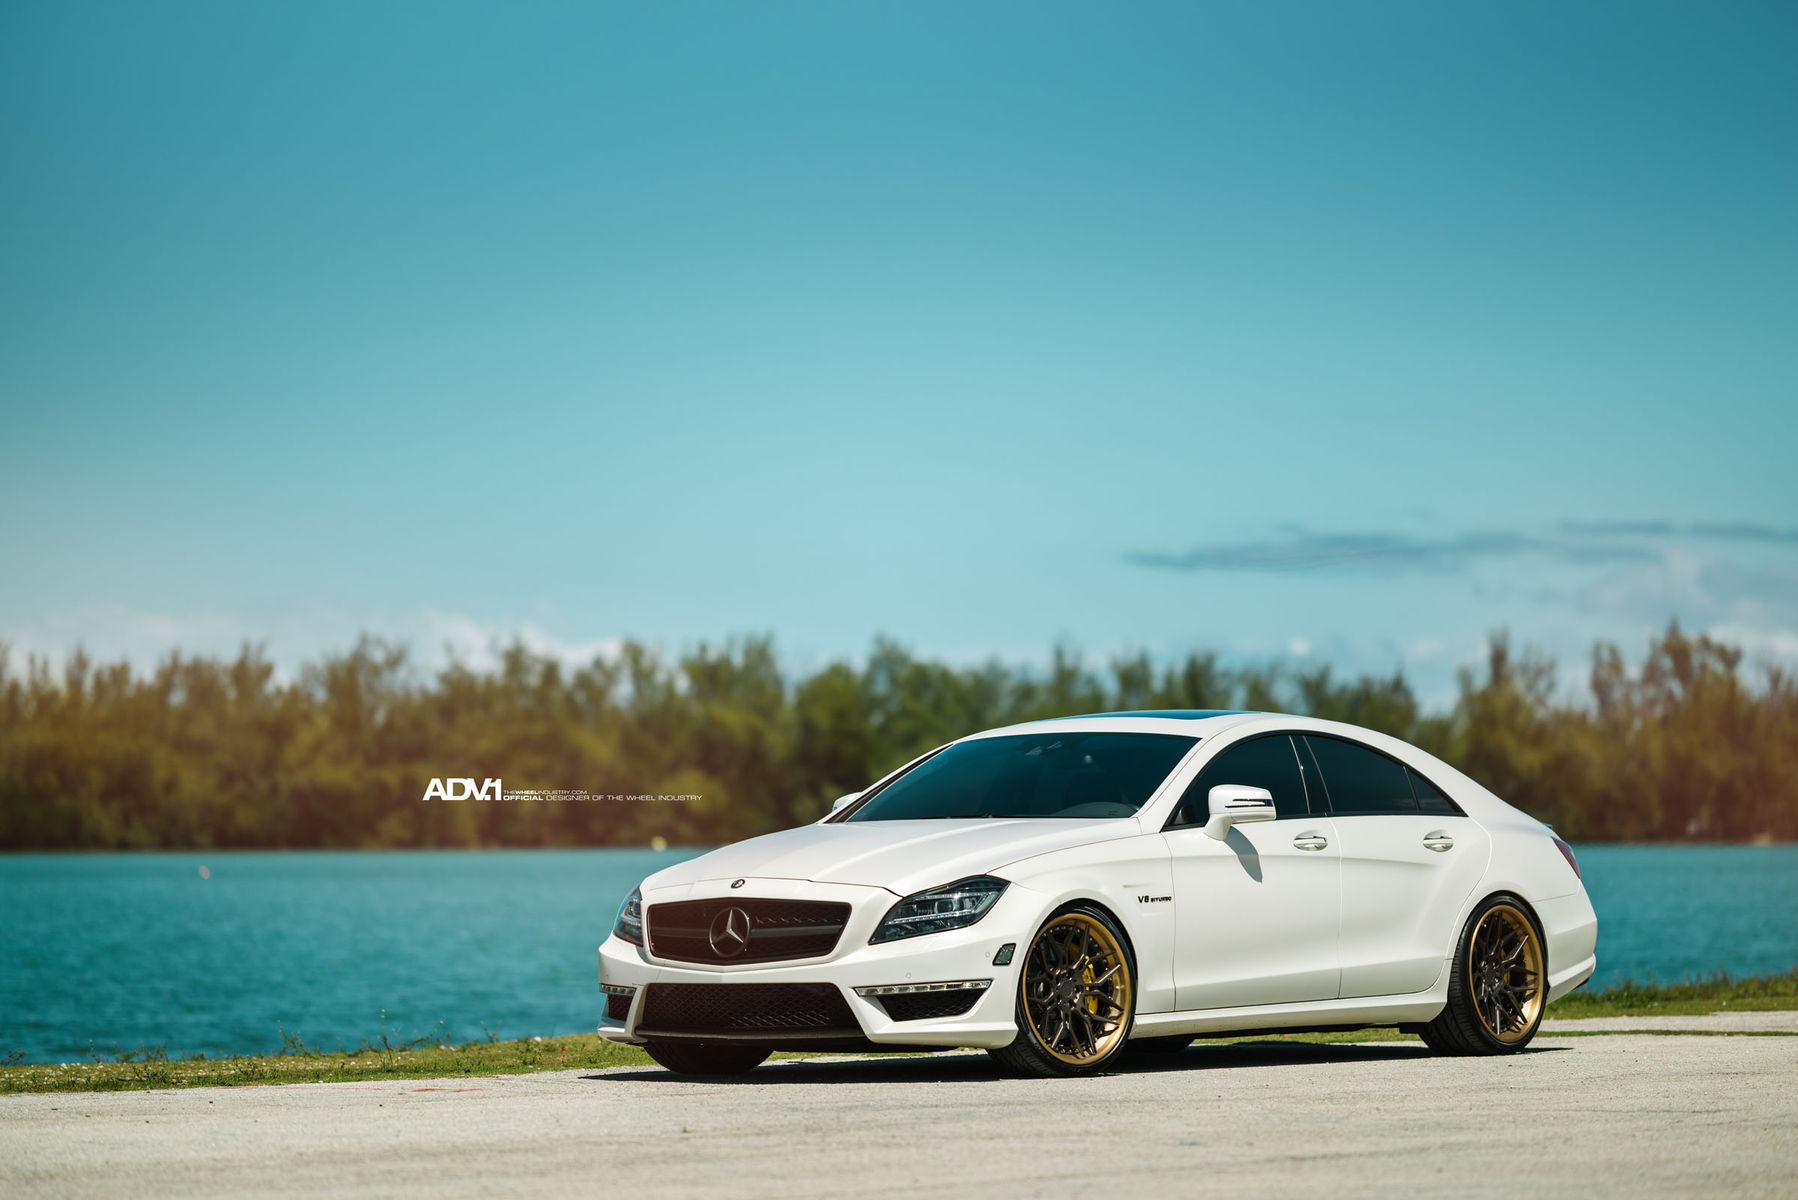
x: 772, y: 930
x: 747, y: 1008
x: 926, y: 1006
x: 618, y: 1008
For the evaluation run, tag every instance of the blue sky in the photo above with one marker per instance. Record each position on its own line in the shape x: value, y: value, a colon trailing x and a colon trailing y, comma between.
x: 1297, y: 331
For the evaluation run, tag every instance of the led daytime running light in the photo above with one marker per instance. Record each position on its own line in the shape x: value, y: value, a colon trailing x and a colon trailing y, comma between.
x: 948, y: 985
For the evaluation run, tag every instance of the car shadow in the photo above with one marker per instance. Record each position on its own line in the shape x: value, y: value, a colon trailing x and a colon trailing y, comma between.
x: 955, y: 1067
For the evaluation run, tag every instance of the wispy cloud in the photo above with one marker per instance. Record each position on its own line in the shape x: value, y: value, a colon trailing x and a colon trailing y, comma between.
x: 481, y: 645
x: 1577, y: 543
x: 113, y: 632
x: 1727, y: 531
x: 1301, y: 551
x: 1743, y: 531
x: 1618, y: 528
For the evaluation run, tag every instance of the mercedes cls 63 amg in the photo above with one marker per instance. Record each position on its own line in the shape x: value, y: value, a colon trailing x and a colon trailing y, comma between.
x: 1059, y: 891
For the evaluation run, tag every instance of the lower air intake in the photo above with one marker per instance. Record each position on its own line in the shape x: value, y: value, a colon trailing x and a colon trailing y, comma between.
x: 930, y: 1006
x: 739, y: 1009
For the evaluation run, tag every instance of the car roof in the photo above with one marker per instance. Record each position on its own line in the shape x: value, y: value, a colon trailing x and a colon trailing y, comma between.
x: 1188, y: 722
x: 1170, y: 714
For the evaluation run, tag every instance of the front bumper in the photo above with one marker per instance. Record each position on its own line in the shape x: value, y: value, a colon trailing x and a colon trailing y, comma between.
x: 959, y: 954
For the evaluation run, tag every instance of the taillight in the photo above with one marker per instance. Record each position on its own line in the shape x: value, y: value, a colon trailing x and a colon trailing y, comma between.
x: 1567, y: 853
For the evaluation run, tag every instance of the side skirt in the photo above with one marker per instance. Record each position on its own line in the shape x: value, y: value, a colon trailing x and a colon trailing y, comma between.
x: 1321, y: 1016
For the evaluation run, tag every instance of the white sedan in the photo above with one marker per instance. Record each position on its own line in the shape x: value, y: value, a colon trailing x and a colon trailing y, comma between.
x: 1061, y: 891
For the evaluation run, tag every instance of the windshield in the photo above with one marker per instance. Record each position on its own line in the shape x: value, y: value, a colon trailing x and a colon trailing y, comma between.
x: 1034, y: 775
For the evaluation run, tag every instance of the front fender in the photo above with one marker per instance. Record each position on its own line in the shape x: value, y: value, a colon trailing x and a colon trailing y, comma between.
x: 1128, y: 878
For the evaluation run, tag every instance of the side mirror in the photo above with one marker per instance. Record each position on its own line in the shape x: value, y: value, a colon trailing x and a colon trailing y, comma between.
x: 851, y: 798
x: 1236, y: 804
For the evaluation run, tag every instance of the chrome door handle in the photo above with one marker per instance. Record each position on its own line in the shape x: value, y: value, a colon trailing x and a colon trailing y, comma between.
x: 1311, y: 841
x: 1437, y: 841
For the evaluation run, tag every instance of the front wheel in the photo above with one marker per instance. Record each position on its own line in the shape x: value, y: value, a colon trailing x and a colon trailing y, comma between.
x: 1498, y: 986
x: 706, y: 1058
x: 1076, y: 997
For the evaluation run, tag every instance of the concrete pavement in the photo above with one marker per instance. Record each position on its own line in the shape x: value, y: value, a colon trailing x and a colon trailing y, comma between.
x: 1716, y: 1022
x: 1593, y: 1116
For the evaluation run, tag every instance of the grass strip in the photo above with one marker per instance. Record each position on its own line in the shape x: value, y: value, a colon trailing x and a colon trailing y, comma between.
x: 149, y: 1067
x: 1719, y: 993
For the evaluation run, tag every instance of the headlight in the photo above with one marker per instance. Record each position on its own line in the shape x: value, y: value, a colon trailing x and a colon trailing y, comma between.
x: 951, y: 906
x: 630, y: 918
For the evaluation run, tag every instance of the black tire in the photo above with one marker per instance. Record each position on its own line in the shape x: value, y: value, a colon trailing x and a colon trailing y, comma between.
x: 1172, y: 1044
x: 1484, y: 1014
x: 707, y: 1058
x: 1060, y: 973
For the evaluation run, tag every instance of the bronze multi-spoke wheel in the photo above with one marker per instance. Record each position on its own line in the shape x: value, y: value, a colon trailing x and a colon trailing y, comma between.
x: 1499, y: 985
x: 1505, y: 973
x: 1076, y: 996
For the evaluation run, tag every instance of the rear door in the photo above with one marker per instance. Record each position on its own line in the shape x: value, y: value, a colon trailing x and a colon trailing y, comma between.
x: 1255, y: 914
x: 1409, y: 860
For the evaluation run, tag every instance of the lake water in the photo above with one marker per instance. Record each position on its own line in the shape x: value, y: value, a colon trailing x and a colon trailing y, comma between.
x: 117, y: 950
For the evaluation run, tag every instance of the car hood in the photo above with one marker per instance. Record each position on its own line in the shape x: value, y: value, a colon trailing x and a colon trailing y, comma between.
x: 901, y: 856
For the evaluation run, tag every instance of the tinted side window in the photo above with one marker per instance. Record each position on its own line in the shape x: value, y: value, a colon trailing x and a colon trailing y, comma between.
x: 1429, y: 798
x: 1267, y: 762
x: 1359, y: 780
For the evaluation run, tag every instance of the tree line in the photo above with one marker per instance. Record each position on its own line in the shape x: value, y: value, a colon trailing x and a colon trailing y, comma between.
x: 721, y: 744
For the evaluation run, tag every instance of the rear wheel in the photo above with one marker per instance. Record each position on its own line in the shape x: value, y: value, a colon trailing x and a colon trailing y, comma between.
x: 1076, y: 997
x: 706, y: 1058
x: 1498, y: 987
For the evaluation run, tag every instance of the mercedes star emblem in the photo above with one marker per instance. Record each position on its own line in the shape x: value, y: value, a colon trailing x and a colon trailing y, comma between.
x: 739, y: 883
x: 729, y: 934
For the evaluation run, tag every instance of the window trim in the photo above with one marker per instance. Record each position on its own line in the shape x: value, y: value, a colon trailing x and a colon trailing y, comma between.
x: 1410, y: 771
x: 1172, y: 822
x: 1455, y: 810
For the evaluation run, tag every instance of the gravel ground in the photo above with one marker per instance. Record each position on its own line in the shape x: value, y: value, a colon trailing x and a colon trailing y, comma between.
x: 1597, y: 1116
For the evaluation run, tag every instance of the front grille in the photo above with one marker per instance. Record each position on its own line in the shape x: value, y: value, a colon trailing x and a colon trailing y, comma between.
x: 772, y: 930
x: 744, y: 1008
x: 618, y: 1008
x: 927, y: 1006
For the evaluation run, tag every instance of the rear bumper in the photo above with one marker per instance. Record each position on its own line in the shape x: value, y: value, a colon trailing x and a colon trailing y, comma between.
x: 1570, y: 929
